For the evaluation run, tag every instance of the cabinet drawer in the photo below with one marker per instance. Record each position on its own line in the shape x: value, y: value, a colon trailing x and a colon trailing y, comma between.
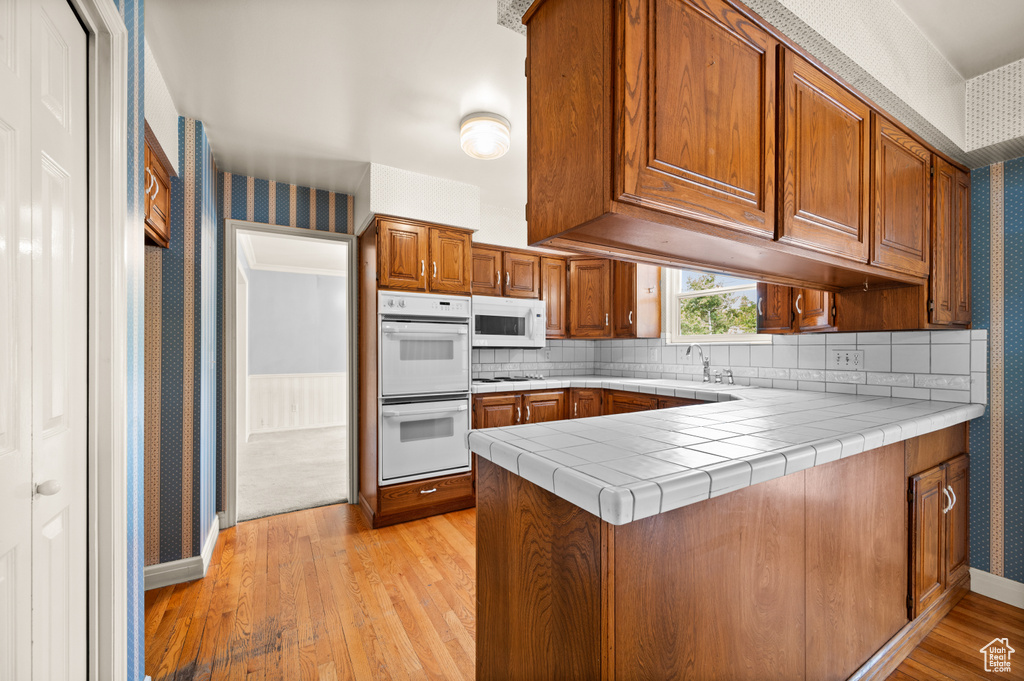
x: 411, y: 496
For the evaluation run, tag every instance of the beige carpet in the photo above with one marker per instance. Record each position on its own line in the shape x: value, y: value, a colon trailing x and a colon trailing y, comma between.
x: 292, y: 470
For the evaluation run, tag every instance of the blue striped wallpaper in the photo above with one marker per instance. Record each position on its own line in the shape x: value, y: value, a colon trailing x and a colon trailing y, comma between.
x: 997, y: 457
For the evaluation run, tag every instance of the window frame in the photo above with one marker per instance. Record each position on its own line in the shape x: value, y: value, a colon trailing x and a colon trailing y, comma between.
x: 673, y: 284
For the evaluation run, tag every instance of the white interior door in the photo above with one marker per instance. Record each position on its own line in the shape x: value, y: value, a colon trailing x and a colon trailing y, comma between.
x: 43, y: 286
x: 242, y: 358
x: 15, y: 343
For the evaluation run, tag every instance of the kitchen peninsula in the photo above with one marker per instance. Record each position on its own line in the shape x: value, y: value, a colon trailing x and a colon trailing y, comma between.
x: 675, y: 544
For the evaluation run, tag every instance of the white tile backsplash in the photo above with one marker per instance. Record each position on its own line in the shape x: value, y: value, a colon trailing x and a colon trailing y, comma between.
x: 940, y: 365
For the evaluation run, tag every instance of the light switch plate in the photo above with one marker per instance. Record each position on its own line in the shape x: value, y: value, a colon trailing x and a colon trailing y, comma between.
x: 846, y: 360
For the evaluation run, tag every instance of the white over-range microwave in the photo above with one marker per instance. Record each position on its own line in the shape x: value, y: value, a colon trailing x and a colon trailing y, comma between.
x: 508, y: 323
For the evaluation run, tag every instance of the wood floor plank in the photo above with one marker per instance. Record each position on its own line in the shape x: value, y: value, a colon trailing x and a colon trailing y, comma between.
x: 317, y: 595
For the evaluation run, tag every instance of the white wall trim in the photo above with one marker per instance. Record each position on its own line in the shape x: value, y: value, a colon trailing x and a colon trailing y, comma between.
x: 231, y: 229
x: 1000, y: 588
x: 185, y: 569
x: 112, y: 247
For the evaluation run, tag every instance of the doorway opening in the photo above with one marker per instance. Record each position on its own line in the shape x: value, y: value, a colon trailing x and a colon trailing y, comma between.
x: 292, y: 382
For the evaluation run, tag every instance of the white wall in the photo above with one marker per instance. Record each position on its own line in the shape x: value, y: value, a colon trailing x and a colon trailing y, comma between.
x: 161, y: 113
x: 292, y: 401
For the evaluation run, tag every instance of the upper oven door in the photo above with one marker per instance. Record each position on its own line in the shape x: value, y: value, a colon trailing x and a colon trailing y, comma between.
x: 418, y: 358
x: 508, y: 324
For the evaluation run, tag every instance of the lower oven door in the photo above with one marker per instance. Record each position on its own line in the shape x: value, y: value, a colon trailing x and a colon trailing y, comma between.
x: 423, y: 439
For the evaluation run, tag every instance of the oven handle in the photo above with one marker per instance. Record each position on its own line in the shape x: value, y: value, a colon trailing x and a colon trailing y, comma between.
x: 420, y: 412
x: 391, y: 329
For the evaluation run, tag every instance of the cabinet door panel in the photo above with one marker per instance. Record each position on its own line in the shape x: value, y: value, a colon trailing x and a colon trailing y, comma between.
x: 450, y: 255
x: 623, y: 299
x: 950, y: 302
x: 545, y: 406
x: 486, y: 271
x: 586, y: 402
x: 962, y: 249
x: 927, y: 542
x: 590, y: 298
x: 626, y: 403
x: 825, y: 162
x: 774, y: 308
x: 522, y: 275
x: 496, y: 411
x: 403, y: 256
x: 813, y: 310
x: 902, y: 175
x: 553, y: 292
x: 957, y: 520
x: 699, y: 112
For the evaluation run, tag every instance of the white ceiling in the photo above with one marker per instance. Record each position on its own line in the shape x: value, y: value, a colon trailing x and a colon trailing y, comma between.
x: 309, y: 91
x: 298, y: 254
x: 975, y: 36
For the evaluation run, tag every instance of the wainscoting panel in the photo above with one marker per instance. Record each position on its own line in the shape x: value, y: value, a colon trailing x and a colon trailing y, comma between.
x: 292, y: 401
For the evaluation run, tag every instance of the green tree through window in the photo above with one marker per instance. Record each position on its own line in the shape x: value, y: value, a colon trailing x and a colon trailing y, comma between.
x: 716, y: 313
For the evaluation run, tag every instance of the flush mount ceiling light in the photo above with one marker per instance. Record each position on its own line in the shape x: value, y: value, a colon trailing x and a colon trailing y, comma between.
x: 485, y: 135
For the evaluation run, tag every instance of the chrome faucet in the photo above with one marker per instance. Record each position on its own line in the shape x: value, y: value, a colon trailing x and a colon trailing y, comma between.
x: 706, y: 361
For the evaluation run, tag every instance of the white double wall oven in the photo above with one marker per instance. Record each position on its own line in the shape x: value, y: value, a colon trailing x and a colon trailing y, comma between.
x: 424, y: 380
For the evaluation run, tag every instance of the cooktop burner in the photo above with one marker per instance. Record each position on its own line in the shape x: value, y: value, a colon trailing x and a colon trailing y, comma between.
x: 508, y: 379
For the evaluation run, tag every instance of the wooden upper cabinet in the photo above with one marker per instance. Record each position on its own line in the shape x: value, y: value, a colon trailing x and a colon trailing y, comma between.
x: 403, y: 256
x: 928, y: 539
x: 902, y: 197
x: 590, y: 286
x: 774, y: 308
x: 950, y: 302
x: 698, y: 113
x: 486, y: 271
x: 825, y: 163
x: 450, y: 256
x: 522, y: 275
x: 636, y: 300
x: 813, y: 310
x: 553, y: 291
x: 158, y: 198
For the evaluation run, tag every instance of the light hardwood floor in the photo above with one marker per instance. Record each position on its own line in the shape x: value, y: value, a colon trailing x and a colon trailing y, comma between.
x: 951, y: 652
x: 316, y: 594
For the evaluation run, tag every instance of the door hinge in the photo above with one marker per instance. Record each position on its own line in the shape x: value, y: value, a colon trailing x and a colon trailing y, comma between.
x: 910, y: 607
x: 932, y: 170
x: 910, y: 495
x: 931, y: 305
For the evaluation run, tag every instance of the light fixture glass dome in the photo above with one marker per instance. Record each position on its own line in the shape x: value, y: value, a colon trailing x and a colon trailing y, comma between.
x: 485, y: 135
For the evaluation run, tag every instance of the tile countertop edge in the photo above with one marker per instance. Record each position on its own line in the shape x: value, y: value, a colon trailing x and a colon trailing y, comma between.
x: 621, y: 498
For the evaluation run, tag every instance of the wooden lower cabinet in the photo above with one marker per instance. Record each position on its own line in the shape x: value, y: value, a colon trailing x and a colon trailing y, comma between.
x: 800, y: 577
x: 939, y: 540
x: 540, y: 407
x: 586, y: 402
x: 497, y: 411
x: 619, y: 402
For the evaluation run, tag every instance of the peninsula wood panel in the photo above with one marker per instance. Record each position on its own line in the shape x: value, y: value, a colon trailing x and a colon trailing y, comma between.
x: 774, y: 308
x: 540, y: 596
x: 450, y: 256
x: 826, y: 163
x: 403, y: 255
x: 714, y: 590
x: 590, y: 298
x: 932, y: 449
x: 902, y: 198
x: 554, y: 293
x: 486, y: 271
x: 621, y: 402
x: 698, y: 112
x: 522, y: 275
x: 856, y: 560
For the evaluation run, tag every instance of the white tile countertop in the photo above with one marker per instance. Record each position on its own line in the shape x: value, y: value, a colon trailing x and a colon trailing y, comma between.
x: 626, y: 467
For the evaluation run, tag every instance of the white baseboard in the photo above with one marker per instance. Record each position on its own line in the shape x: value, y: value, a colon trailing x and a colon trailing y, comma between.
x: 999, y: 588
x: 185, y: 569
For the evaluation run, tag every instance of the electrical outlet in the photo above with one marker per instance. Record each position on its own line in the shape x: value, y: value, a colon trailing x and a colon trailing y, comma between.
x: 547, y: 354
x: 846, y: 360
x: 295, y: 408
